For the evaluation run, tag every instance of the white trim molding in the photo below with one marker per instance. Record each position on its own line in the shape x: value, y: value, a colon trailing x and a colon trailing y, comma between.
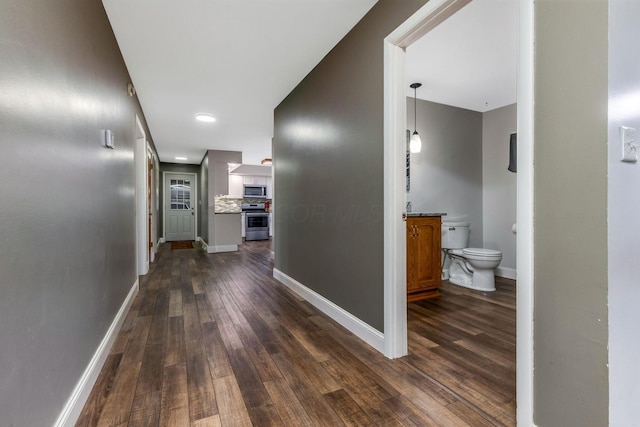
x: 80, y: 394
x: 525, y: 214
x: 362, y: 330
x: 507, y: 273
x: 395, y: 123
x: 221, y: 248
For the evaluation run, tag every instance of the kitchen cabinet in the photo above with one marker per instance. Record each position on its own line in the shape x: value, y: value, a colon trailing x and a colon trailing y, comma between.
x: 423, y: 257
x: 236, y: 186
x: 220, y: 179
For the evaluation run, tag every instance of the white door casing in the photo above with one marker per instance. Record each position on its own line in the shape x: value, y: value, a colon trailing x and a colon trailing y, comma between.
x: 142, y: 210
x: 179, y: 207
x: 395, y: 311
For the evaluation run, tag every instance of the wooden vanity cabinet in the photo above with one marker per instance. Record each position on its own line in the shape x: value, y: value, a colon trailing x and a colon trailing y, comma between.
x: 423, y: 257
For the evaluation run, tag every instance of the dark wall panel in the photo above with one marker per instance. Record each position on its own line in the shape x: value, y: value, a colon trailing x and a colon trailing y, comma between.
x: 328, y: 158
x: 67, y: 259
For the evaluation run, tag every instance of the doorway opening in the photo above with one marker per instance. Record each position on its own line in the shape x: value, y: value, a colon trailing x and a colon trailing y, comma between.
x: 141, y: 200
x: 395, y: 120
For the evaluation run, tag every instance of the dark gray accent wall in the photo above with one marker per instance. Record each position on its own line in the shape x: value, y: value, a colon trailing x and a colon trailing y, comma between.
x: 328, y: 160
x: 67, y: 259
x: 446, y: 175
x: 179, y: 168
x: 570, y: 202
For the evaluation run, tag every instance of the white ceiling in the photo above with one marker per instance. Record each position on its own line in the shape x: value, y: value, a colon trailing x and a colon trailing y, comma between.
x: 236, y: 59
x: 239, y: 59
x: 469, y: 61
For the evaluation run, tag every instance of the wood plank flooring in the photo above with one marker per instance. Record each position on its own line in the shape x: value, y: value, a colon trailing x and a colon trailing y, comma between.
x: 214, y: 340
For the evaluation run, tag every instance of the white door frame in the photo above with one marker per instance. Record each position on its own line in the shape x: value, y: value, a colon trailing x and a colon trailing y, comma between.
x: 194, y: 201
x: 142, y: 210
x: 395, y: 301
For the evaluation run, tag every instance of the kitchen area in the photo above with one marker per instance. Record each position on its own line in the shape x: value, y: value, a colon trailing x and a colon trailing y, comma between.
x: 242, y: 203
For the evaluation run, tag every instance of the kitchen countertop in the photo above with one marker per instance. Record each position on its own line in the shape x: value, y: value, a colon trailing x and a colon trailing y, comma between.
x: 225, y: 213
x: 414, y: 214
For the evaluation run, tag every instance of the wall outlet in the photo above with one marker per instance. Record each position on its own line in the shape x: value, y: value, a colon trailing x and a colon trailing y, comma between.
x: 629, y: 145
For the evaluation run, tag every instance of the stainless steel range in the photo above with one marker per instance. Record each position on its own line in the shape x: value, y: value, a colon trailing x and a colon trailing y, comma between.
x: 256, y: 225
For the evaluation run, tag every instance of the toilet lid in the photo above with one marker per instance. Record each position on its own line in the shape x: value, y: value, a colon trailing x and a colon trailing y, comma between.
x: 481, y: 252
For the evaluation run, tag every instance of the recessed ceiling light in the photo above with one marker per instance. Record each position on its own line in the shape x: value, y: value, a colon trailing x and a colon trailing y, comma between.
x: 205, y: 117
x: 180, y: 158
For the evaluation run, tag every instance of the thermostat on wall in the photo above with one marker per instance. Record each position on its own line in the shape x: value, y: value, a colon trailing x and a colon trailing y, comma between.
x: 108, y: 138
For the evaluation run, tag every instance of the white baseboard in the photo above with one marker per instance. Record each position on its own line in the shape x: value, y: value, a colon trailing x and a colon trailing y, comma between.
x: 508, y: 273
x: 202, y: 243
x: 362, y: 330
x: 223, y: 248
x: 78, y: 398
x: 162, y: 240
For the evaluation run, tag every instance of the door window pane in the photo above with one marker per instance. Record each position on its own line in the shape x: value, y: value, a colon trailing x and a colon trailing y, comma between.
x: 180, y: 194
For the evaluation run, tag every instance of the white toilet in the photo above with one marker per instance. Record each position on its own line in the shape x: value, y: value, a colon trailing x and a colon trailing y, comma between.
x: 470, y: 267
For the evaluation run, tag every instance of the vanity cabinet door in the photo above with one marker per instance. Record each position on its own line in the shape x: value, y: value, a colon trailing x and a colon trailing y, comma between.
x: 423, y: 257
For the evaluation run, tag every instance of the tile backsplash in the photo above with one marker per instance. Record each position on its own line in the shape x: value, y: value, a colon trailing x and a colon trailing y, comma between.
x: 227, y: 205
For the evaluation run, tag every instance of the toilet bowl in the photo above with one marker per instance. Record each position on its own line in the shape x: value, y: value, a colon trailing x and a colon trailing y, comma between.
x: 474, y: 268
x: 470, y: 267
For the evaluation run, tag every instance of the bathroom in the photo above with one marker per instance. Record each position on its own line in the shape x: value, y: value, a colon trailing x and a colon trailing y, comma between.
x: 462, y: 170
x: 465, y: 113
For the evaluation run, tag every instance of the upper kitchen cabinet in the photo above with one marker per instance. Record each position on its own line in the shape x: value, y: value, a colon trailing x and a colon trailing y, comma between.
x: 235, y: 186
x: 249, y: 175
x: 220, y: 179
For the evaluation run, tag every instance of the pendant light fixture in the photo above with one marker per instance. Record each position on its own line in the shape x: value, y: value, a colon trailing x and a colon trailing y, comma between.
x: 415, y: 143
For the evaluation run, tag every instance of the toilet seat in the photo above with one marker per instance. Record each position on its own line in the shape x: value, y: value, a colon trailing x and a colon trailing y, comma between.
x: 481, y: 252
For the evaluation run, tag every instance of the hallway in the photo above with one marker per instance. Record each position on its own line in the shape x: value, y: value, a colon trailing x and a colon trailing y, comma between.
x: 215, y: 340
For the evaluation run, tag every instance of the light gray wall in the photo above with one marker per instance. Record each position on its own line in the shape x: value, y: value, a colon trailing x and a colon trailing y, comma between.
x: 67, y: 259
x: 328, y: 160
x: 217, y: 160
x: 179, y: 168
x: 570, y: 203
x: 499, y: 189
x: 446, y: 176
x: 624, y: 211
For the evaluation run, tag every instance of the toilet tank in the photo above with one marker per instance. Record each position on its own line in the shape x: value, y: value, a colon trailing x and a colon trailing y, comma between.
x: 455, y: 235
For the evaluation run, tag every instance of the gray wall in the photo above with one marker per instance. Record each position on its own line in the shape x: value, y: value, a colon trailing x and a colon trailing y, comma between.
x: 67, y: 259
x: 624, y: 211
x: 328, y: 160
x: 203, y: 207
x: 499, y: 186
x: 217, y: 161
x: 570, y: 202
x: 446, y: 176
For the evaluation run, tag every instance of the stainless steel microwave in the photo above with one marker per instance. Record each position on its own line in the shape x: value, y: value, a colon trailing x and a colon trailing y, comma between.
x: 255, y: 191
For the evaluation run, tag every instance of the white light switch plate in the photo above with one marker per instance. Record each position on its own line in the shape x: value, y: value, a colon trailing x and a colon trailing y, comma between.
x: 629, y: 145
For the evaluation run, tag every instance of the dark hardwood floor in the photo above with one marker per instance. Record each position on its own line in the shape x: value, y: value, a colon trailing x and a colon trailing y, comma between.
x: 213, y: 339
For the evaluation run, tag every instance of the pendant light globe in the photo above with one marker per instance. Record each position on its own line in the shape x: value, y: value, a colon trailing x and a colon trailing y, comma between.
x: 415, y: 143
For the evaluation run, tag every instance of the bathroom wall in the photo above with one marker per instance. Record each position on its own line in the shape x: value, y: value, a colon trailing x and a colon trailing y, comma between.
x: 446, y: 176
x: 462, y: 170
x: 499, y: 187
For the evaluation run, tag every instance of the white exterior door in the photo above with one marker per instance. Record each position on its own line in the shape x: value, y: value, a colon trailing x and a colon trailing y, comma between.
x: 179, y: 207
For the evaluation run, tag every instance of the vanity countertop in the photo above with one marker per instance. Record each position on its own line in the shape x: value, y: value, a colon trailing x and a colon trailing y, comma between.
x: 415, y: 214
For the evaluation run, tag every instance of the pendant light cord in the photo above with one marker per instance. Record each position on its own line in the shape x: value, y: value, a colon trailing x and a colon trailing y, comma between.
x: 415, y: 109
